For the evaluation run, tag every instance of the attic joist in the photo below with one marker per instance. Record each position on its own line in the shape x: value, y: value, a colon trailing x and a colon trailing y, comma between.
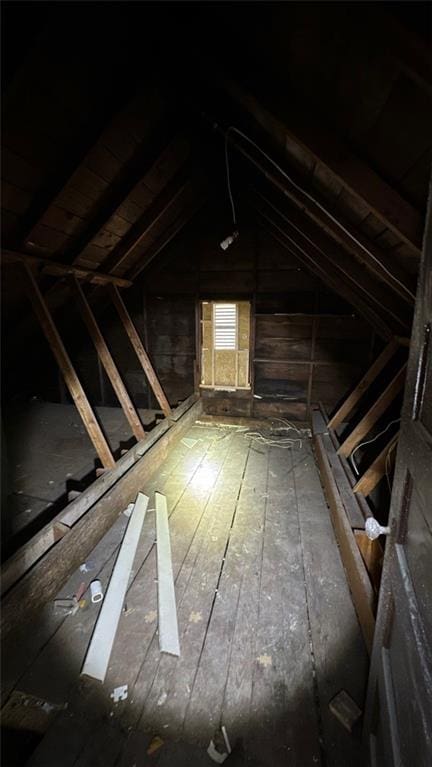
x: 355, y: 242
x: 139, y: 231
x: 55, y: 269
x: 354, y: 175
x: 324, y: 270
x: 307, y: 234
x: 143, y: 159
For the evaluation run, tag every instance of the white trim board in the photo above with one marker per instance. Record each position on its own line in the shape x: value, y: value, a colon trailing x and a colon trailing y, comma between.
x: 101, y: 643
x: 168, y: 626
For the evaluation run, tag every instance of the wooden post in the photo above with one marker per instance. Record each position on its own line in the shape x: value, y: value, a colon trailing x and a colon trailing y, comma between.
x: 72, y: 381
x: 369, y: 377
x: 369, y: 480
x: 139, y: 350
x: 375, y: 412
x: 106, y: 359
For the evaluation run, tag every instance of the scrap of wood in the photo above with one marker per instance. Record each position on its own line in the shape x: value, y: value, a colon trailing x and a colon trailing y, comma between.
x: 168, y: 626
x: 99, y: 651
x: 345, y: 710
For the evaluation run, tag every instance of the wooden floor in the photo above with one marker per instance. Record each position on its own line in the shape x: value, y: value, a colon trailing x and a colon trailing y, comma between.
x: 268, y: 633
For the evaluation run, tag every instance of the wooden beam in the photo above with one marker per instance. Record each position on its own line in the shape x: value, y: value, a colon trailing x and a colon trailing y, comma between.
x: 139, y: 350
x: 63, y: 360
x: 353, y: 174
x: 354, y: 241
x: 149, y: 255
x: 143, y: 159
x: 372, y: 555
x: 351, y: 401
x: 374, y: 413
x: 378, y: 468
x: 324, y: 270
x: 309, y: 234
x: 106, y: 359
x: 147, y: 221
x: 358, y: 579
x: 61, y: 270
x: 42, y: 582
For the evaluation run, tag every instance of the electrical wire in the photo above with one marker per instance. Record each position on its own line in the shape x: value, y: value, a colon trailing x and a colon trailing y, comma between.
x: 233, y: 129
x: 274, y: 439
x: 368, y: 442
x: 229, y: 180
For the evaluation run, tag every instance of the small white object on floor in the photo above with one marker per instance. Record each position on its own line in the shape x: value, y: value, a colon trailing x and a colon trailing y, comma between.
x: 96, y: 591
x: 168, y: 626
x: 162, y: 699
x: 119, y: 693
x: 84, y: 568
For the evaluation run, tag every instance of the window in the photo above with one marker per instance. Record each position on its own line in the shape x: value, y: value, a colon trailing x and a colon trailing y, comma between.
x: 225, y: 340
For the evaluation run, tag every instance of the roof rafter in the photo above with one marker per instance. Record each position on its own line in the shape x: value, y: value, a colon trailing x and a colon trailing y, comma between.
x: 356, y: 176
x: 325, y: 271
x: 307, y: 234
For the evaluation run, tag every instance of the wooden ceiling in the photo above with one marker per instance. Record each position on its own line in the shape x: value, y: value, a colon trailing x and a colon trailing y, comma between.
x: 109, y: 145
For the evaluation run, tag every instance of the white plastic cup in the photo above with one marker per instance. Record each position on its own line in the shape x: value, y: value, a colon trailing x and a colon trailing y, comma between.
x: 96, y: 591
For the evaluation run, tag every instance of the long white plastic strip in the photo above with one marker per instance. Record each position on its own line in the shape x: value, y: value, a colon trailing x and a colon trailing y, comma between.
x: 168, y: 627
x: 100, y: 647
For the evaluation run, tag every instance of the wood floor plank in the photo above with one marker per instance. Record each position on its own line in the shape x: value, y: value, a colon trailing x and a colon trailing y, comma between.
x: 283, y: 715
x: 224, y: 676
x: 174, y: 678
x: 339, y: 652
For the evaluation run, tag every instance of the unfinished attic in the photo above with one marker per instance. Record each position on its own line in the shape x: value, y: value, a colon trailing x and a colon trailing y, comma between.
x: 216, y: 384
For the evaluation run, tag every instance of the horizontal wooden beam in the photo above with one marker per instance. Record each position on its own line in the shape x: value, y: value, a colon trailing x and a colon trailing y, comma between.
x: 43, y: 581
x: 369, y: 377
x: 72, y: 381
x: 359, y: 179
x: 61, y: 270
x: 358, y: 579
x: 374, y: 413
x: 378, y: 468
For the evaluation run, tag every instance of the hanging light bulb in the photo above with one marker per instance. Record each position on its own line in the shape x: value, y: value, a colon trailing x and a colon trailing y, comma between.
x: 229, y: 240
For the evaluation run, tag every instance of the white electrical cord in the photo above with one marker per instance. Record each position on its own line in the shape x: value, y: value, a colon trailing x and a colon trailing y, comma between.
x: 229, y: 180
x: 368, y: 442
x: 277, y: 440
x: 233, y: 129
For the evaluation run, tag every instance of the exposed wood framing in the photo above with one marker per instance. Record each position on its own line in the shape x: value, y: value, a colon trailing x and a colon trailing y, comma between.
x: 325, y: 272
x: 139, y: 350
x: 375, y: 259
x: 379, y: 467
x: 61, y: 270
x: 42, y: 582
x: 358, y: 178
x: 372, y: 555
x: 145, y: 156
x: 171, y: 192
x: 376, y: 411
x: 106, y: 359
x: 63, y: 360
x: 361, y: 588
x: 306, y: 233
x: 375, y: 369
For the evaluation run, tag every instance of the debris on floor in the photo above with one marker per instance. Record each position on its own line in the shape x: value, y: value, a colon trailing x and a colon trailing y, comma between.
x: 155, y: 745
x: 188, y: 442
x: 162, y: 699
x: 66, y: 606
x: 119, y: 693
x: 345, y: 710
x: 96, y: 591
x: 168, y: 625
x: 219, y: 748
x: 28, y: 712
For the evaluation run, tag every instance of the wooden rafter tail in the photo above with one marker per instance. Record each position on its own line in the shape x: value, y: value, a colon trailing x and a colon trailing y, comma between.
x: 106, y: 359
x: 139, y: 350
x: 374, y: 413
x: 363, y: 385
x: 71, y: 379
x: 376, y: 471
x: 61, y: 270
